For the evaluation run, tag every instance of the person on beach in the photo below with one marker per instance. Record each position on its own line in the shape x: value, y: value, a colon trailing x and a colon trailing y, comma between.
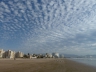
x: 14, y: 58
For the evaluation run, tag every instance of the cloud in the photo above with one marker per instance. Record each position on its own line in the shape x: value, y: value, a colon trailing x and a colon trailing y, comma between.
x: 49, y: 24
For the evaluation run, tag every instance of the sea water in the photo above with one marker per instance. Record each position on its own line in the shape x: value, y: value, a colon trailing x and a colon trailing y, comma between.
x: 87, y: 61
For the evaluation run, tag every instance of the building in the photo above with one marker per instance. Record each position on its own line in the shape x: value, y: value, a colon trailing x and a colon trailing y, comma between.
x: 61, y: 56
x: 48, y: 55
x: 9, y: 54
x: 56, y: 55
x: 1, y: 53
x: 19, y: 54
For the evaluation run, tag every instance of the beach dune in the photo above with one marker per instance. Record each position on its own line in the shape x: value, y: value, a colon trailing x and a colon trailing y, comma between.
x: 43, y: 65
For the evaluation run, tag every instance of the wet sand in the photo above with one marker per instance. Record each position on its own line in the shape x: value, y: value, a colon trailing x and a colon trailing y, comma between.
x: 43, y: 65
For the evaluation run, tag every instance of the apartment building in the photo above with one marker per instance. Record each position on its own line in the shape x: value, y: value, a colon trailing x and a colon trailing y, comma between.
x: 19, y: 54
x: 9, y: 54
x: 1, y: 53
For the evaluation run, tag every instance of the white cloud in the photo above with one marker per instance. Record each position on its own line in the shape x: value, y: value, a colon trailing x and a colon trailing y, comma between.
x: 51, y: 21
x: 4, y: 5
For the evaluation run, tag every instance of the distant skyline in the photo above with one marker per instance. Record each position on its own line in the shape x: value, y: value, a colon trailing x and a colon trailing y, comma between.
x: 40, y: 26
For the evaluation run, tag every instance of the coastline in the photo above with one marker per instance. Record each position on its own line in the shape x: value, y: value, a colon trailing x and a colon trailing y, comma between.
x: 74, y: 66
x: 44, y: 65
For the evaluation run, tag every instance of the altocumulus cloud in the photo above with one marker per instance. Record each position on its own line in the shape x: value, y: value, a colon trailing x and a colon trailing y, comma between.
x: 65, y: 26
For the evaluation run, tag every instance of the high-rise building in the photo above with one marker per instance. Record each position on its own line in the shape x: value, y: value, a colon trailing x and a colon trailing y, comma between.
x: 19, y: 54
x: 9, y: 54
x: 1, y: 53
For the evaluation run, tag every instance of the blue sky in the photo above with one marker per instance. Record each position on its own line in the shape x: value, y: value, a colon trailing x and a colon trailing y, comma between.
x: 40, y: 26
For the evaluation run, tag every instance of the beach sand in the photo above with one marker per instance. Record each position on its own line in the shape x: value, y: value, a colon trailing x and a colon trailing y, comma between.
x: 43, y: 65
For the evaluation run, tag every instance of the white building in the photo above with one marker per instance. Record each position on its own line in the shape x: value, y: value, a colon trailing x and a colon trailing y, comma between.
x: 32, y: 57
x: 19, y: 54
x: 9, y: 54
x: 48, y: 55
x: 56, y: 55
x: 1, y: 53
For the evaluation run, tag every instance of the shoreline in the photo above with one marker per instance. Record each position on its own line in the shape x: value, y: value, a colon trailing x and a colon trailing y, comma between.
x: 78, y: 66
x: 82, y: 63
x: 44, y: 65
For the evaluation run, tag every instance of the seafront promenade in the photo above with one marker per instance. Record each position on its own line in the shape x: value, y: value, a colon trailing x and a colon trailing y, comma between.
x: 43, y: 65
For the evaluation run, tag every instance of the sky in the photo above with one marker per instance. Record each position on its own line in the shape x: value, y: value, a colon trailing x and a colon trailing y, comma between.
x: 41, y: 26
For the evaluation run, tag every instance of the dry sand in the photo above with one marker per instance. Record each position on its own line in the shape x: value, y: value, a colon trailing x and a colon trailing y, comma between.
x: 43, y: 65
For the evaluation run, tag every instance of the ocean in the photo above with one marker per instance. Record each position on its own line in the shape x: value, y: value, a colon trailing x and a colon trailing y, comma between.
x: 87, y: 61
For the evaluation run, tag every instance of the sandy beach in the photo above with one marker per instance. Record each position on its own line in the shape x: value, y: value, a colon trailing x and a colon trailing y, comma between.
x: 43, y: 65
